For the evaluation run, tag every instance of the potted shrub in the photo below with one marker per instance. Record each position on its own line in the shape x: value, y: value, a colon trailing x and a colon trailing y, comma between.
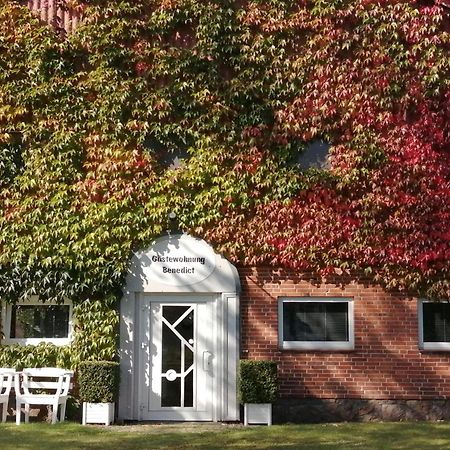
x: 258, y: 389
x: 99, y: 388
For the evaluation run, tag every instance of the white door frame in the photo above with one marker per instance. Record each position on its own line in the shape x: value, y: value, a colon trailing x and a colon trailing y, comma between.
x: 220, y: 280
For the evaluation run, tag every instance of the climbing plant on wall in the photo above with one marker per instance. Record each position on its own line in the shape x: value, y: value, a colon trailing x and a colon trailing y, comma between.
x: 90, y: 123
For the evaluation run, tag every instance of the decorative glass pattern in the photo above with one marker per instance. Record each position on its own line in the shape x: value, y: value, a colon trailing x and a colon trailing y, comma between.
x: 178, y: 371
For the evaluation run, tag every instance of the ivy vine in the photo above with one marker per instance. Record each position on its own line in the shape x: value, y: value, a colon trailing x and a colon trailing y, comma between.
x: 240, y: 87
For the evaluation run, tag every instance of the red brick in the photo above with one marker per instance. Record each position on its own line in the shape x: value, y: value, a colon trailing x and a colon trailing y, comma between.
x: 386, y: 362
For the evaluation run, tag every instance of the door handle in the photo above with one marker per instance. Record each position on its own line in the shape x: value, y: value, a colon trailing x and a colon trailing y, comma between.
x: 207, y: 360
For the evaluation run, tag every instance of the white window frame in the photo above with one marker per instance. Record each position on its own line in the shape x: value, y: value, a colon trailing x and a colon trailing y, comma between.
x: 428, y: 346
x: 317, y: 345
x: 34, y: 300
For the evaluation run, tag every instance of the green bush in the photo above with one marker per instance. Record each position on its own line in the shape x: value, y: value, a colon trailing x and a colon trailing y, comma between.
x: 99, y: 381
x: 258, y: 381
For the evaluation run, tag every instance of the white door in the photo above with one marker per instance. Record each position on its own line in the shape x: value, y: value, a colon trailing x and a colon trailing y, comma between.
x: 178, y: 343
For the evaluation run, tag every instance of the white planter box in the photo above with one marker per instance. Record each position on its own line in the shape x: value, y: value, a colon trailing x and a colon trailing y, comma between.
x: 98, y: 413
x: 257, y: 413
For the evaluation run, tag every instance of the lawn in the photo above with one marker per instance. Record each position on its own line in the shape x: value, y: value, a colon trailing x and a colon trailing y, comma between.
x: 365, y: 436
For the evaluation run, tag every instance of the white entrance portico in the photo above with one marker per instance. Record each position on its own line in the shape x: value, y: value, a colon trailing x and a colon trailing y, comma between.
x: 179, y: 334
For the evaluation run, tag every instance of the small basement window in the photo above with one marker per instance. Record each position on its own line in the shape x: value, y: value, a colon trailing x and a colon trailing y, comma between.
x: 170, y: 155
x: 312, y: 323
x: 34, y: 321
x: 314, y: 156
x: 434, y: 325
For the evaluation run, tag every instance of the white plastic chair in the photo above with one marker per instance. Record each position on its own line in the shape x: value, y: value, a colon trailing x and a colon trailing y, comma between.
x: 42, y: 386
x: 6, y: 382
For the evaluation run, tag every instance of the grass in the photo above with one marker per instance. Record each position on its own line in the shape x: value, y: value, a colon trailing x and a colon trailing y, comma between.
x: 345, y: 436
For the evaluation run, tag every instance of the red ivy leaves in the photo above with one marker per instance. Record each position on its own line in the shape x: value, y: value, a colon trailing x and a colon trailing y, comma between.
x: 388, y: 209
x: 394, y: 220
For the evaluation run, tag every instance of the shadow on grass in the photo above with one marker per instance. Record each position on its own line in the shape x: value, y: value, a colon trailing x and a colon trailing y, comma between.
x: 367, y: 436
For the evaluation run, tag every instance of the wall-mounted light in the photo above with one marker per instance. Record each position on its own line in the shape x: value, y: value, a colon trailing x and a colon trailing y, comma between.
x: 172, y: 222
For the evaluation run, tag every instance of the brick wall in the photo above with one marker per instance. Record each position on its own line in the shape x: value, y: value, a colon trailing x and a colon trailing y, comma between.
x: 386, y: 362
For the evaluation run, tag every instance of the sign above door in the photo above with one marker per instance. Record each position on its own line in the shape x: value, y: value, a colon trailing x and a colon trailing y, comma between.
x: 181, y: 263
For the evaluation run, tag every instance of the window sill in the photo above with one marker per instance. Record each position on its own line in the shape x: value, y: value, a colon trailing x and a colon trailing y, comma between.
x: 318, y: 346
x: 435, y: 347
x: 34, y: 341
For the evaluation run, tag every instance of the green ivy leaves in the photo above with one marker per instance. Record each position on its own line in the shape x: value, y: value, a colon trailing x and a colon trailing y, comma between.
x: 86, y: 125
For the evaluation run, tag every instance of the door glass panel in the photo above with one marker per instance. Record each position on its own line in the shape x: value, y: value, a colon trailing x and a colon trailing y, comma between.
x: 186, y: 327
x: 188, y: 359
x: 189, y: 390
x: 173, y: 313
x: 170, y: 392
x: 177, y: 353
x: 171, y: 350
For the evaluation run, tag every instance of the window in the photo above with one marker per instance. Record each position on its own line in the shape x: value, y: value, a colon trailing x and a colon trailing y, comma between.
x: 314, y: 155
x: 172, y: 154
x: 434, y: 325
x: 316, y: 323
x: 33, y: 321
